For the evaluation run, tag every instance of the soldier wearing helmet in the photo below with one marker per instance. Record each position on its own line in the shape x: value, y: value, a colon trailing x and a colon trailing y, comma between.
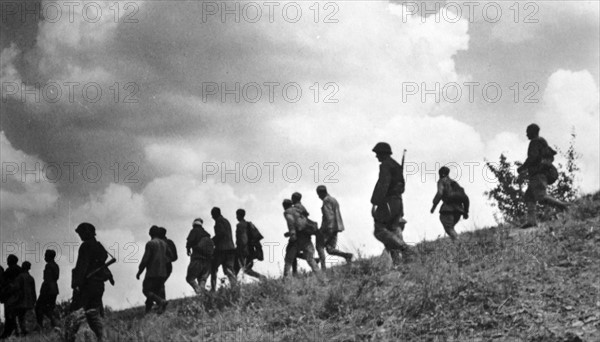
x: 388, y: 210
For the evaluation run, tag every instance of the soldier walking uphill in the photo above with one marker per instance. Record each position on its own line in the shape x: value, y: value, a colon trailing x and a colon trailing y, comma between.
x: 331, y: 225
x: 388, y: 210
x: 9, y: 295
x: 200, y: 249
x: 87, y: 281
x: 296, y: 203
x: 244, y: 243
x: 299, y: 240
x: 155, y: 262
x: 224, y: 249
x: 27, y: 295
x: 538, y: 162
x: 49, y: 291
x: 455, y: 202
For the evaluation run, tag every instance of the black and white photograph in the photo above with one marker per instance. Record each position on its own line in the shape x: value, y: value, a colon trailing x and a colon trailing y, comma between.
x: 308, y: 170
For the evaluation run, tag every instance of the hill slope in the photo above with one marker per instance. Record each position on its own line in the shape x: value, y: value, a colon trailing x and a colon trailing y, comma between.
x: 499, y: 284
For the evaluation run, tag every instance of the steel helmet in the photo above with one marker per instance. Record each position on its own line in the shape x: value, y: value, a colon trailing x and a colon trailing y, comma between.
x: 383, y: 148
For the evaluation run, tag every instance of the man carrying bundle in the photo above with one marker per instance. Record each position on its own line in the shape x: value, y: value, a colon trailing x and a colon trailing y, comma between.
x: 455, y: 202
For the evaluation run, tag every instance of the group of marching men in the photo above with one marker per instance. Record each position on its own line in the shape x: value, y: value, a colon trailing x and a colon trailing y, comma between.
x: 17, y: 287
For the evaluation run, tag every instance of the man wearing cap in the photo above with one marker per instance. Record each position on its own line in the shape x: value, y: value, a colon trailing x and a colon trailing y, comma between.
x: 296, y: 203
x: 538, y: 154
x: 49, y: 291
x: 331, y: 225
x: 453, y: 207
x: 224, y: 249
x: 200, y: 249
x: 298, y: 240
x: 388, y: 210
x: 155, y: 262
x: 89, y: 289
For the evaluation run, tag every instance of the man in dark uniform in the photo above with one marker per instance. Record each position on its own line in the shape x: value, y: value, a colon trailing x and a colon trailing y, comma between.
x: 87, y: 283
x: 154, y: 262
x: 533, y: 168
x: 298, y: 240
x: 10, y: 295
x: 243, y: 258
x: 452, y: 208
x: 388, y: 210
x: 296, y: 202
x: 49, y: 291
x: 224, y: 249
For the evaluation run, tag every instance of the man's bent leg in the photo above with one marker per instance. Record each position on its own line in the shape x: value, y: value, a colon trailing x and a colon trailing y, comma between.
x: 331, y: 247
x: 448, y: 222
x: 321, y: 249
x: 392, y: 240
x: 192, y: 273
x: 228, y: 265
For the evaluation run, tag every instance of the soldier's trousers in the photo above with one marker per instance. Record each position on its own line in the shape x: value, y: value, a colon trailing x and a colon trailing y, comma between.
x: 44, y: 306
x: 302, y: 244
x: 10, y: 323
x: 225, y: 259
x: 449, y: 220
x: 327, y: 240
x: 21, y: 312
x: 197, y: 274
x: 536, y: 192
x: 389, y: 225
x: 153, y: 288
x: 90, y: 299
x: 246, y: 263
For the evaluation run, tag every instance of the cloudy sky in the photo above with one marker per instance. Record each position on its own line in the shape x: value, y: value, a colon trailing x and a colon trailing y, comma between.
x: 130, y: 114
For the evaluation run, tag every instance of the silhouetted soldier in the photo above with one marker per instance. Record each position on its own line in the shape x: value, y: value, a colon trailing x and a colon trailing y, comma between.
x: 162, y: 234
x: 296, y: 202
x: 298, y: 240
x: 244, y: 260
x: 455, y: 202
x: 9, y: 295
x: 49, y: 291
x: 331, y: 225
x: 388, y: 210
x: 87, y: 283
x: 27, y: 295
x: 224, y: 249
x: 154, y: 261
x: 539, y: 155
x: 200, y: 248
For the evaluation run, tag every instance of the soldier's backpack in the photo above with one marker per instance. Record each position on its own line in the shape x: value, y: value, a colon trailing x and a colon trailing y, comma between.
x: 172, y: 250
x: 546, y: 166
x: 206, y: 247
x: 456, y: 194
x: 304, y: 224
x: 254, y: 246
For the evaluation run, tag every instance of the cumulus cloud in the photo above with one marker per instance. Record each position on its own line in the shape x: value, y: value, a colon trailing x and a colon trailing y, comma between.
x: 571, y: 104
x: 25, y: 187
x: 176, y: 127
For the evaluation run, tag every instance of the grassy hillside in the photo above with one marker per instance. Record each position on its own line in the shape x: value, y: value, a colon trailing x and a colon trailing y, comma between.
x: 499, y: 284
